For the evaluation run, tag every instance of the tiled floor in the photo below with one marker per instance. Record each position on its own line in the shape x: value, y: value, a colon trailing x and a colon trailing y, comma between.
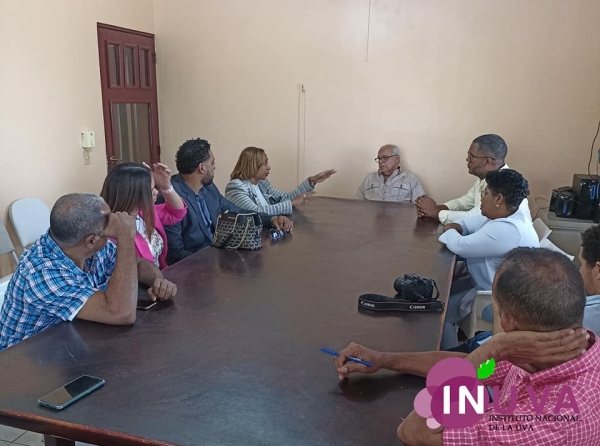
x: 18, y: 437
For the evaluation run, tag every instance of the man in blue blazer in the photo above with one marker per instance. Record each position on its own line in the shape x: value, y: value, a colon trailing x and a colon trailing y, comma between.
x: 194, y: 184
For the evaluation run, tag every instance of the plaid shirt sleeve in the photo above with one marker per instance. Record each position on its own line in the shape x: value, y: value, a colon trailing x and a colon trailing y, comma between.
x: 54, y: 291
x: 484, y: 433
x: 499, y: 375
x: 110, y: 256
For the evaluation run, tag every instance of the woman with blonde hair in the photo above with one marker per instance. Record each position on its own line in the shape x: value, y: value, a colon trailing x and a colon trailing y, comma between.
x: 250, y: 189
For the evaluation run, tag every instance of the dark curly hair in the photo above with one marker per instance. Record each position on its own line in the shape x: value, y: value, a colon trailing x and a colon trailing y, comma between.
x: 190, y: 154
x: 590, y: 245
x: 511, y: 184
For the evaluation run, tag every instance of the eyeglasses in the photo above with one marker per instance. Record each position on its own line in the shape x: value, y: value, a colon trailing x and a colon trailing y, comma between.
x: 383, y: 159
x: 470, y: 156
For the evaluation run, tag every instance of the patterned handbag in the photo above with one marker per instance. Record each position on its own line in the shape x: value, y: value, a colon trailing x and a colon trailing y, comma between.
x: 238, y: 231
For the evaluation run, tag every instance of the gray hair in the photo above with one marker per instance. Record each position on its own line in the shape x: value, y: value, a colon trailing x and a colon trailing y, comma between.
x: 395, y: 149
x: 75, y: 216
x: 542, y: 289
x: 492, y: 145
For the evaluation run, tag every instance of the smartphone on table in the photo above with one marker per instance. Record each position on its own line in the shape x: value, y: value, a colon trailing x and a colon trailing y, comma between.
x: 71, y: 392
x: 145, y: 304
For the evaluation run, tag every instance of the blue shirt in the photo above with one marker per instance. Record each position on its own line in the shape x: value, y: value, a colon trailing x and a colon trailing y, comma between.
x: 591, y: 314
x: 48, y: 288
x: 201, y: 198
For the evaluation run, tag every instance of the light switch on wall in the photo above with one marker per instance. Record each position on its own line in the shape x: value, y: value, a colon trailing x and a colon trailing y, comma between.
x: 88, y: 140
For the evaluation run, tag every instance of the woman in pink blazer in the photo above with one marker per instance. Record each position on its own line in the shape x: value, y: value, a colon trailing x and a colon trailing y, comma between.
x: 133, y: 188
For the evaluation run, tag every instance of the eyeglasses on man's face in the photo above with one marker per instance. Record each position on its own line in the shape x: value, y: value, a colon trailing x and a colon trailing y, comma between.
x: 384, y: 159
x: 470, y: 157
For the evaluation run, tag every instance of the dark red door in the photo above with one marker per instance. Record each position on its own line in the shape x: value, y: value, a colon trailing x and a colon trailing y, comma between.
x: 129, y: 99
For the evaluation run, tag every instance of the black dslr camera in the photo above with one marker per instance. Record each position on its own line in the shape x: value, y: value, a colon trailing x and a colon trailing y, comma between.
x: 415, y: 288
x: 415, y: 293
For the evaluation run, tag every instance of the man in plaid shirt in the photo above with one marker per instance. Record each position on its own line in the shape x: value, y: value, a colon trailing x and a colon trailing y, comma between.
x: 539, y: 300
x: 74, y: 270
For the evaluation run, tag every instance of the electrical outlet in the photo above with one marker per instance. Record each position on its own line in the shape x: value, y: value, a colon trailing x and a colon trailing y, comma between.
x: 86, y: 157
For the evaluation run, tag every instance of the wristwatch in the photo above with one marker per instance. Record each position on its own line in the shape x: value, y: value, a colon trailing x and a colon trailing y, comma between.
x: 170, y: 190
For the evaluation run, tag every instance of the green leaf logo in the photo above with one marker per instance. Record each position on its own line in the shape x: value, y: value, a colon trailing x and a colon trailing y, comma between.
x: 486, y: 369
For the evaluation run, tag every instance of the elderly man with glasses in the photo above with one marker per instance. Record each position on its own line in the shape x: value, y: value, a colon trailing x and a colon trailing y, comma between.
x: 486, y: 154
x: 390, y: 183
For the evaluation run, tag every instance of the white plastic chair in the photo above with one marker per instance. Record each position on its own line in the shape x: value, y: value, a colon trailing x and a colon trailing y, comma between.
x: 552, y: 247
x: 6, y: 247
x: 474, y: 321
x: 3, y: 286
x: 541, y: 229
x: 31, y: 219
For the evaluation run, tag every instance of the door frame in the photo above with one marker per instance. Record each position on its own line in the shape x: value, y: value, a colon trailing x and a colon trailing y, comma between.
x: 128, y: 95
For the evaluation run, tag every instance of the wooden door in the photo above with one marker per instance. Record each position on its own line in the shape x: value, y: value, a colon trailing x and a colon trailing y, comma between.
x: 129, y: 99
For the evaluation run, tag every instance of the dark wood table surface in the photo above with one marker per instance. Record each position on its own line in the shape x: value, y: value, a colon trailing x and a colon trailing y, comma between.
x: 235, y: 359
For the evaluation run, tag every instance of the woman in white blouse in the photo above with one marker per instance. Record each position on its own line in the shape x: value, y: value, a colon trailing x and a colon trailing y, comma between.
x: 250, y: 189
x: 483, y: 241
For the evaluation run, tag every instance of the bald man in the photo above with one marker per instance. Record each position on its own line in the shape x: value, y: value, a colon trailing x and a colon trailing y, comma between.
x: 390, y: 182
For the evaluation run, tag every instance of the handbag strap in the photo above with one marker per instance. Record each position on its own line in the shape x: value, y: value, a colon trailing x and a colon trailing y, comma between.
x: 225, y: 241
x: 230, y: 236
x: 243, y: 237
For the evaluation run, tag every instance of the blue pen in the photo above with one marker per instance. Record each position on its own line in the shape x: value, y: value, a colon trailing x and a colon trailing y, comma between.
x: 350, y: 358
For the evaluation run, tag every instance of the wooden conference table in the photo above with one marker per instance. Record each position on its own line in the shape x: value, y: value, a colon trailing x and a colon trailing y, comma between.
x: 235, y: 359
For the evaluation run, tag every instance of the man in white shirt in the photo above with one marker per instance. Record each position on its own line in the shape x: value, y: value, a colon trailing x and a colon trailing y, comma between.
x: 486, y: 154
x: 390, y: 183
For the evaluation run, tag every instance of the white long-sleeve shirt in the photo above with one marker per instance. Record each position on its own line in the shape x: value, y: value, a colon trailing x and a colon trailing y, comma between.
x: 469, y: 205
x: 484, y: 243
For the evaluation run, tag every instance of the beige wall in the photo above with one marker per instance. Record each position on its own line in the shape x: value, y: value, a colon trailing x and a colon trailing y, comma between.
x: 50, y: 91
x: 439, y: 73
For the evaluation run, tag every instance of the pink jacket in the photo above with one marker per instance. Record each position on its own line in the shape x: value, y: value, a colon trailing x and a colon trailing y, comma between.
x: 163, y: 215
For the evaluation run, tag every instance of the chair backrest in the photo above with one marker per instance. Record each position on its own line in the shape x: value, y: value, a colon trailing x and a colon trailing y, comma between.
x: 31, y: 219
x: 6, y: 245
x: 541, y: 229
x: 3, y: 286
x: 552, y: 247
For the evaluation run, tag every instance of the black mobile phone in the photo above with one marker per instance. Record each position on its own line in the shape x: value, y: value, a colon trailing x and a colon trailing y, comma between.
x: 144, y: 304
x: 71, y: 392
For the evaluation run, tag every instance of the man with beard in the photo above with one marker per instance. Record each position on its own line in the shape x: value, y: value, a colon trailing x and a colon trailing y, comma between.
x: 194, y: 183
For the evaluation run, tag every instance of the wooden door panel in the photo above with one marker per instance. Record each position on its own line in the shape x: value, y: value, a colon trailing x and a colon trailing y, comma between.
x: 129, y: 97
